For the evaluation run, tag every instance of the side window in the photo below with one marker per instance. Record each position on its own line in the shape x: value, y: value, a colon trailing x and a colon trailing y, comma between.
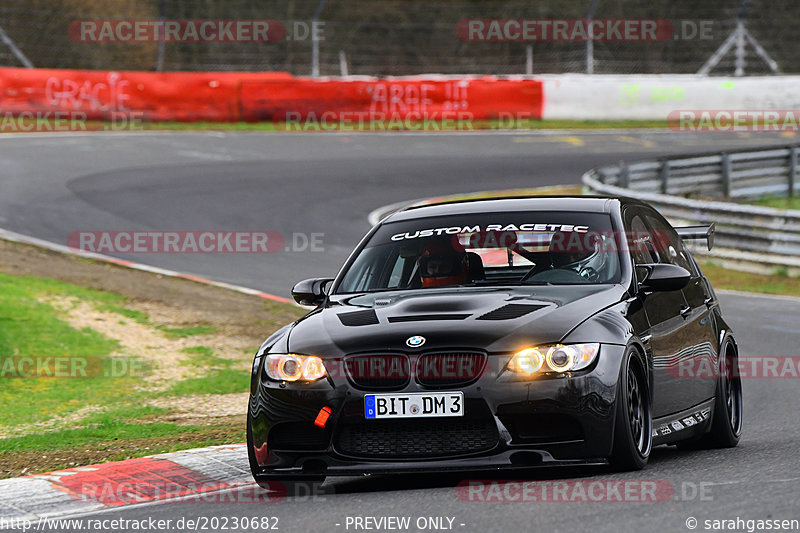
x: 668, y: 245
x: 639, y: 238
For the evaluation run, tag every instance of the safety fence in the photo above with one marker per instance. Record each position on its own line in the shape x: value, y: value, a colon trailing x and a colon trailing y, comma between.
x: 404, y: 37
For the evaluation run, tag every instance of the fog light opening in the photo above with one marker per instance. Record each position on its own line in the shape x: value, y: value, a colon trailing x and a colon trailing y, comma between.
x: 526, y: 458
x: 314, y: 466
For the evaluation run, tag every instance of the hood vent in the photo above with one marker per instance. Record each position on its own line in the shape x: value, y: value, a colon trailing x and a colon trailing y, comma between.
x: 359, y: 318
x: 510, y: 311
x: 420, y: 318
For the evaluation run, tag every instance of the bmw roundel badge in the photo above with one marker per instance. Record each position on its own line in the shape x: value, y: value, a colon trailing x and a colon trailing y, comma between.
x: 415, y: 342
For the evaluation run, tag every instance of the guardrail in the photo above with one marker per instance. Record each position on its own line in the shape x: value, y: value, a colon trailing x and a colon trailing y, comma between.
x: 746, y: 233
x: 740, y: 174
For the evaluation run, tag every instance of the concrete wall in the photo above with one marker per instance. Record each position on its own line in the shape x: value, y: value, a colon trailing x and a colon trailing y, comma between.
x: 602, y: 97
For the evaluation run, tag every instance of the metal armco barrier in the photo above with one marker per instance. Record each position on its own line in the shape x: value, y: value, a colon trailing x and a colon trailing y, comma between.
x: 744, y: 232
x: 739, y: 174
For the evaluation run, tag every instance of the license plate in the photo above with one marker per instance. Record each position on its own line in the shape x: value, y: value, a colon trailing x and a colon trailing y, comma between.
x: 414, y: 405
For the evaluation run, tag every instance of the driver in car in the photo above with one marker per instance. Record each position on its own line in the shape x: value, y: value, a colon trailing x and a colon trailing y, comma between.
x: 442, y: 264
x: 584, y: 257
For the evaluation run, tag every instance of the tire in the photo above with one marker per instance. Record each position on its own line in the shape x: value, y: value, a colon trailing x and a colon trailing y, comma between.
x: 633, y: 427
x: 726, y: 426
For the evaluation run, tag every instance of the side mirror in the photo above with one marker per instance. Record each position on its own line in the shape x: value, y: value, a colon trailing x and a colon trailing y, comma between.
x: 310, y: 291
x: 664, y: 277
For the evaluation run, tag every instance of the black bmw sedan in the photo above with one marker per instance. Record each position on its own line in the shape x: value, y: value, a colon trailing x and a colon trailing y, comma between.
x: 499, y: 334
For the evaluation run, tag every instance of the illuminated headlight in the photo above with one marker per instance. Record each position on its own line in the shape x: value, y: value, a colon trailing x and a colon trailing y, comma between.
x: 292, y: 367
x: 528, y: 361
x: 557, y: 358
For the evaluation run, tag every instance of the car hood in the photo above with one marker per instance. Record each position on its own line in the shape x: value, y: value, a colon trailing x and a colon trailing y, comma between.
x: 493, y: 319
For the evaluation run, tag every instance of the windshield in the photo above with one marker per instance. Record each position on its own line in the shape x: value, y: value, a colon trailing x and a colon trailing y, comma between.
x: 484, y: 249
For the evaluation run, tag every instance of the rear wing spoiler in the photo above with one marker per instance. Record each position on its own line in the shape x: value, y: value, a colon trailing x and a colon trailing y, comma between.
x: 699, y: 232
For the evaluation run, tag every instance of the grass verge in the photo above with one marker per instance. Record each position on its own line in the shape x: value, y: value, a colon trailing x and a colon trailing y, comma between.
x: 779, y: 202
x: 169, y: 361
x: 353, y: 125
x: 724, y: 278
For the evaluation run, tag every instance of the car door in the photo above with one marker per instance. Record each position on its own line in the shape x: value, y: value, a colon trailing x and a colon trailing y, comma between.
x: 692, y: 379
x: 667, y: 331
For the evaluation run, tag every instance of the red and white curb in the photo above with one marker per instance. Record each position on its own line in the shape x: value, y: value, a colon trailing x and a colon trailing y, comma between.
x: 205, y: 475
x: 41, y: 243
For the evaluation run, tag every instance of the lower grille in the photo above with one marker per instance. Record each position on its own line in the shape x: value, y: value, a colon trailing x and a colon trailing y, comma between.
x: 538, y: 428
x: 418, y: 438
x: 298, y: 436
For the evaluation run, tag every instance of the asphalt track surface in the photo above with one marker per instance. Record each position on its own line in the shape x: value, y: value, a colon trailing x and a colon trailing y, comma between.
x: 328, y: 183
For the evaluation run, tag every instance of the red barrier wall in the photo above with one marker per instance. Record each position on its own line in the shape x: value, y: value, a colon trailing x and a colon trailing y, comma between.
x: 245, y: 96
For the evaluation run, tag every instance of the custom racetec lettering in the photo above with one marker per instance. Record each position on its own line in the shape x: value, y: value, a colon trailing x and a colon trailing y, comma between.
x: 453, y: 230
x: 457, y: 230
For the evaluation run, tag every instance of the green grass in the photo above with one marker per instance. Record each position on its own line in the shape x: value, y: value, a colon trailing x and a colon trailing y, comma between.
x: 524, y: 124
x: 118, y: 423
x: 777, y: 283
x: 580, y: 124
x: 30, y: 328
x: 221, y: 381
x: 114, y: 419
x: 113, y: 429
x: 180, y: 333
x: 34, y: 329
x: 780, y: 202
x: 202, y: 357
x: 132, y: 314
x: 198, y: 350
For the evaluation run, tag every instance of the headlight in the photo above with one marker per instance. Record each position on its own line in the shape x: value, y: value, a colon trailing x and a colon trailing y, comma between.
x: 557, y: 358
x: 293, y: 367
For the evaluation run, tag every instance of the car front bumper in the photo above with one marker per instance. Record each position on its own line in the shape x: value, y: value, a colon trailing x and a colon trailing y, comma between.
x: 508, y: 423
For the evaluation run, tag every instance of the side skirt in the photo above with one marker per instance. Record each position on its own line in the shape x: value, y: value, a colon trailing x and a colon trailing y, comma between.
x: 692, y: 422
